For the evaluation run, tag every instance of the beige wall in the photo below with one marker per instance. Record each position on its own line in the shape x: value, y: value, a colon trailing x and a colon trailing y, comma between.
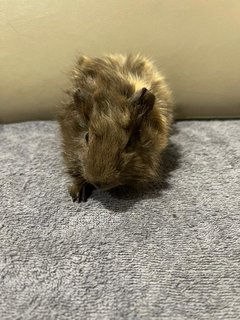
x: 195, y: 43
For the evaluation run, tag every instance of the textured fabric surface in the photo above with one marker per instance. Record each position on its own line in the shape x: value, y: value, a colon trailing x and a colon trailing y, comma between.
x: 170, y: 254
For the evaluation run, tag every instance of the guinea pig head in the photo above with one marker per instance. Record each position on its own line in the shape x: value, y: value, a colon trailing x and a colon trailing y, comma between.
x: 122, y: 141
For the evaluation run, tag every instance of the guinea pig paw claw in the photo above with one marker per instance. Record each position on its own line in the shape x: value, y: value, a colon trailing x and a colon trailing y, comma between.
x: 80, y: 193
x: 86, y: 191
x: 74, y: 199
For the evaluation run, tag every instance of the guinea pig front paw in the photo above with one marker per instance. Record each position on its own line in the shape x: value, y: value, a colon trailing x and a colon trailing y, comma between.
x: 81, y: 192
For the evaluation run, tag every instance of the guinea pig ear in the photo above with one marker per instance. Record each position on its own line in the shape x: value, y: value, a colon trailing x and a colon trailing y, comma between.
x: 82, y: 101
x: 144, y: 100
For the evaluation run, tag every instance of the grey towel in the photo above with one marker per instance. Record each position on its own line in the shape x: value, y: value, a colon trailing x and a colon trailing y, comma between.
x: 173, y: 253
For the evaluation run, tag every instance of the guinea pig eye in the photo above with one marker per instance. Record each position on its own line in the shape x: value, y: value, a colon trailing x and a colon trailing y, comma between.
x: 86, y: 137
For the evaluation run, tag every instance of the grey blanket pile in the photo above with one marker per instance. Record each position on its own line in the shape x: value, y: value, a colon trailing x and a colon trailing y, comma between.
x: 173, y: 253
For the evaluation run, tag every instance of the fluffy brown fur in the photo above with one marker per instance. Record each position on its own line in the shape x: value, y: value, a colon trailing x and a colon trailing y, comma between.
x: 115, y: 124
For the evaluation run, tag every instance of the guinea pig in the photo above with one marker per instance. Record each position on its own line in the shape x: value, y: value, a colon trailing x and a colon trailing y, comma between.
x: 115, y: 124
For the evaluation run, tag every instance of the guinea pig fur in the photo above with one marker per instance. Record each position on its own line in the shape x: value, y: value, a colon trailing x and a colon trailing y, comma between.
x: 115, y: 123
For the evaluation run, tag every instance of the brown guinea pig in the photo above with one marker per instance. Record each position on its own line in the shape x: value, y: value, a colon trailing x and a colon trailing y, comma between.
x: 115, y: 125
